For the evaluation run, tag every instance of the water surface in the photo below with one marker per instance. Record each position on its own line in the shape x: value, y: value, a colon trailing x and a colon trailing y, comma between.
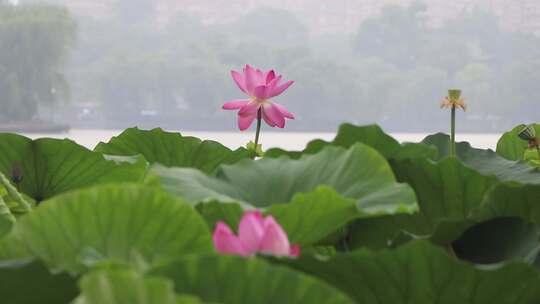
x: 286, y: 140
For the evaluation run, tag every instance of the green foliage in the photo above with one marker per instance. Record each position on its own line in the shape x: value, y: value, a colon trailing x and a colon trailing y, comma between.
x: 171, y: 149
x: 237, y: 280
x: 448, y: 193
x: 420, y: 273
x: 32, y: 283
x: 485, y: 162
x: 359, y: 173
x: 511, y: 147
x: 377, y: 221
x: 127, y: 223
x: 308, y: 218
x: 445, y: 190
x: 127, y: 286
x: 52, y: 166
x: 371, y: 135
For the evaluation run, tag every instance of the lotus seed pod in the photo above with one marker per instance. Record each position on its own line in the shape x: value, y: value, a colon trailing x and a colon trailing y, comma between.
x: 528, y: 133
x: 454, y: 94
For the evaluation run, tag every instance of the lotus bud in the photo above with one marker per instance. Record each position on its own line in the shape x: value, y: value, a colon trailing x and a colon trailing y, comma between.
x: 453, y: 100
x: 16, y: 173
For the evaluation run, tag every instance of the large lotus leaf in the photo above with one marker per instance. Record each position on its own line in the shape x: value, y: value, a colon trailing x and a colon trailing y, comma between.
x: 451, y: 197
x: 129, y: 223
x: 511, y: 147
x: 421, y: 273
x: 512, y: 199
x: 52, y: 166
x: 486, y: 162
x: 127, y: 286
x: 508, y: 211
x: 498, y: 239
x: 215, y: 211
x: 32, y: 283
x: 311, y: 217
x: 236, y: 280
x: 371, y: 135
x: 446, y: 191
x: 308, y: 219
x: 172, y: 149
x: 359, y: 173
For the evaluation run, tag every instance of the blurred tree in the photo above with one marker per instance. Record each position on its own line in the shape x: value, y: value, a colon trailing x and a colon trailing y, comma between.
x: 479, y: 81
x: 271, y: 25
x: 136, y: 13
x: 396, y: 35
x: 35, y: 40
x: 419, y: 97
x: 518, y: 84
x: 324, y: 87
x: 393, y: 71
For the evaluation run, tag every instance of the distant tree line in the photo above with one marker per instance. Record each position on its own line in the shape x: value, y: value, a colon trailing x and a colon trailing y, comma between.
x: 34, y: 43
x: 393, y: 70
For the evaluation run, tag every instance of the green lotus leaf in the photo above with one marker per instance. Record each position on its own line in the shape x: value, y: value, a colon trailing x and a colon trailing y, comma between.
x: 128, y: 223
x: 446, y: 191
x: 421, y: 273
x: 24, y: 282
x: 308, y: 218
x: 499, y: 239
x: 52, y: 166
x: 359, y: 173
x: 371, y: 135
x: 214, y: 211
x: 454, y: 201
x: 172, y: 149
x: 229, y: 279
x: 486, y: 162
x: 127, y: 286
x: 512, y: 199
x: 511, y: 147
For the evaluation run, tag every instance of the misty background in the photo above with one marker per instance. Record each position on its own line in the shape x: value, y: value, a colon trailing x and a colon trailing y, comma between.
x: 111, y: 64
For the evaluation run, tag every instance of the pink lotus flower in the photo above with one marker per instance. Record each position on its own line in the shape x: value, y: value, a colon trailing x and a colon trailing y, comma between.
x: 255, y: 235
x: 260, y: 87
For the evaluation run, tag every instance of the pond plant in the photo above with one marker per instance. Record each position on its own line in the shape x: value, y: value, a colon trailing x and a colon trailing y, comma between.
x: 156, y: 217
x: 453, y: 101
x: 260, y: 87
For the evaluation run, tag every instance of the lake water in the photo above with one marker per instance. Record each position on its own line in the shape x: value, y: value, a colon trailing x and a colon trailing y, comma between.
x: 286, y: 140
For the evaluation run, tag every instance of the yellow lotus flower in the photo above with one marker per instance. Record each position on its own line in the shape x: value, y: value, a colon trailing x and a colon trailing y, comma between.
x: 453, y: 100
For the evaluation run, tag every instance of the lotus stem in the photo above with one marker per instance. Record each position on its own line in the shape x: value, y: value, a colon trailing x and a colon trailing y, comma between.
x: 538, y: 151
x: 14, y: 194
x: 450, y: 250
x: 453, y: 131
x: 258, y: 132
x: 346, y: 239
